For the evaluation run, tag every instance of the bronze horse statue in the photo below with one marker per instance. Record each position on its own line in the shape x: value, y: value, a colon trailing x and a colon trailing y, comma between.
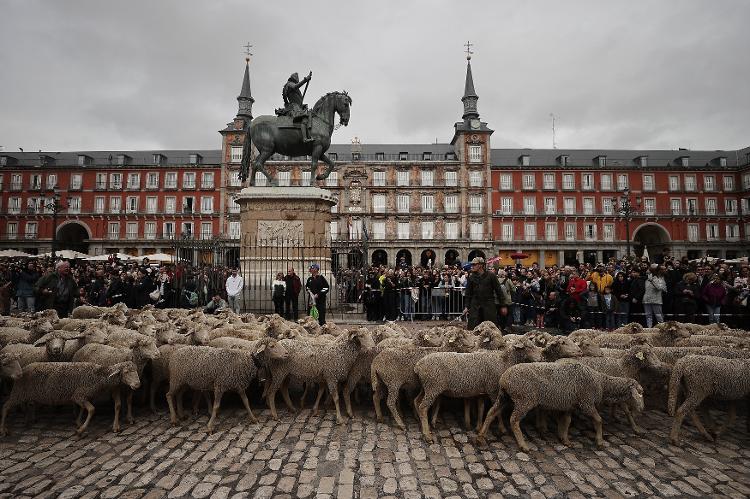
x: 277, y: 134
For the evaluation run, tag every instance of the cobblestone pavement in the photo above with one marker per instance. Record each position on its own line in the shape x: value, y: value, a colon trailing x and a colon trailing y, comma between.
x: 305, y: 456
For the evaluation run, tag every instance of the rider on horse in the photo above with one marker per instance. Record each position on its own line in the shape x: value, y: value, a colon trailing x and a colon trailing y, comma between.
x: 293, y: 105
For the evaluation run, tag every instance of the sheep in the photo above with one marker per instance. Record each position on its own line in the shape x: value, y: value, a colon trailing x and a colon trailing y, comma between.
x: 140, y: 353
x: 32, y: 331
x: 703, y: 376
x: 670, y: 355
x: 714, y: 340
x: 394, y: 369
x: 637, y: 363
x: 589, y: 349
x: 466, y: 375
x: 52, y: 347
x: 659, y: 337
x: 250, y: 334
x: 10, y: 367
x: 318, y: 362
x: 92, y: 312
x: 560, y: 387
x: 60, y: 383
x: 218, y: 370
x: 588, y: 334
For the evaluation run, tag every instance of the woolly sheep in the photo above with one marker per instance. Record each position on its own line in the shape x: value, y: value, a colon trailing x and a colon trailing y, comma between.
x: 29, y: 333
x: 662, y: 337
x: 589, y: 349
x: 49, y: 348
x: 92, y: 312
x: 560, y: 387
x: 60, y: 383
x: 10, y: 366
x: 218, y: 370
x: 670, y: 355
x: 714, y: 340
x: 703, y: 376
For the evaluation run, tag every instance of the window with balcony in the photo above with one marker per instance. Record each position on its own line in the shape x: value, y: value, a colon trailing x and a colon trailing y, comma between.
x: 402, y: 231
x: 649, y: 206
x: 507, y: 232
x: 206, y: 230
x: 730, y: 206
x: 712, y: 232
x: 32, y: 230
x: 170, y: 204
x: 333, y: 179
x: 34, y: 205
x: 475, y: 204
x: 334, y: 229
x: 188, y: 204
x: 569, y: 205
x: 476, y: 231
x: 550, y: 231
x: 587, y: 181
x: 131, y: 230
x: 549, y: 181
x: 428, y: 203
x: 607, y: 206
x: 35, y: 182
x: 236, y: 154
x: 335, y: 207
x: 589, y: 232
x: 74, y: 205
x: 149, y: 230
x: 207, y: 180
x: 284, y: 178
x: 11, y: 230
x: 113, y: 230
x: 648, y: 182
x: 115, y: 204
x: 527, y: 183
x: 260, y: 179
x: 76, y: 181
x: 131, y: 204
x: 207, y: 204
x: 134, y: 181
x: 51, y: 181
x: 402, y: 203
x: 745, y: 206
x: 529, y: 205
x: 451, y: 203
x: 475, y: 178
x: 710, y: 206
x: 355, y: 229
x: 378, y: 178
x: 16, y: 182
x: 99, y: 204
x: 506, y: 182
x: 402, y: 178
x: 690, y: 183
x: 674, y: 183
x: 170, y: 180
x: 550, y: 206
x: 746, y: 181
x: 115, y: 181
x: 529, y: 232
x: 234, y: 179
x: 378, y: 230
x: 569, y: 181
x: 675, y: 205
x: 378, y: 203
x: 451, y: 178
x: 570, y: 232
x: 188, y: 180
x: 187, y: 229
x: 451, y: 230
x: 506, y: 206
x: 475, y: 154
x: 709, y: 183
x: 233, y: 207
x: 588, y: 206
x: 169, y: 230
x: 427, y: 178
x: 692, y: 232
x: 234, y: 230
x: 622, y: 181
x: 14, y: 206
x: 606, y: 181
x: 101, y: 181
x: 151, y: 204
x: 733, y: 232
x: 691, y: 205
x: 608, y: 232
x: 728, y: 183
x: 428, y: 230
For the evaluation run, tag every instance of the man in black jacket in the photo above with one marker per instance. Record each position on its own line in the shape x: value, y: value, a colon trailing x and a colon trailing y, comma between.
x: 318, y: 287
x: 481, y: 289
x: 57, y: 290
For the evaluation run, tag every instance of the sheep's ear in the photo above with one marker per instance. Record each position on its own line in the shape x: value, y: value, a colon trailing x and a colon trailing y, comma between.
x: 260, y: 348
x: 113, y: 371
x: 41, y: 341
x: 486, y: 339
x: 639, y: 356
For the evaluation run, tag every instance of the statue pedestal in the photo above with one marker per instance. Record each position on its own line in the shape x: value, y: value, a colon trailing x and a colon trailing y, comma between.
x: 282, y: 227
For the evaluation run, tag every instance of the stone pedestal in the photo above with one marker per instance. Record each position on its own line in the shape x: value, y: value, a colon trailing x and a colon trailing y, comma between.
x: 282, y: 227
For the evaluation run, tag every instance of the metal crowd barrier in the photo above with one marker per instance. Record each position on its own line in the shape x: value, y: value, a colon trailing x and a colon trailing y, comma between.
x: 419, y: 303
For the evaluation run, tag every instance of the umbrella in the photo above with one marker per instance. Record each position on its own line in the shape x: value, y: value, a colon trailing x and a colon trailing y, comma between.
x: 106, y: 257
x: 518, y: 255
x: 12, y: 253
x: 493, y: 260
x: 742, y: 259
x: 158, y: 257
x: 67, y: 254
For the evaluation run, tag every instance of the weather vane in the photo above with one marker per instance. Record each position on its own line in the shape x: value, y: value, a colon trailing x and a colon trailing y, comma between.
x: 247, y: 51
x: 468, y: 46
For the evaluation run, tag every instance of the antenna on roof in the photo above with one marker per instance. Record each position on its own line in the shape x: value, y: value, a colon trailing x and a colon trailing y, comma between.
x: 554, y: 143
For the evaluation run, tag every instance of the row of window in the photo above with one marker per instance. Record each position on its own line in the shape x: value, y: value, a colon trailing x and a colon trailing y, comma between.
x: 606, y: 182
x: 610, y: 205
x: 450, y: 203
x: 451, y: 230
x: 115, y: 181
x: 590, y: 232
x: 134, y: 230
x: 74, y: 205
x: 475, y: 155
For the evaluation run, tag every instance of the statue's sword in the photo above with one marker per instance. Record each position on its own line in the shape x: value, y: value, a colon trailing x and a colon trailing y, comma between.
x: 306, y: 85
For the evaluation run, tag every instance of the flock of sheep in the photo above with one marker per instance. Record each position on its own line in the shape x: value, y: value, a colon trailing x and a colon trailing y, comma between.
x: 102, y: 352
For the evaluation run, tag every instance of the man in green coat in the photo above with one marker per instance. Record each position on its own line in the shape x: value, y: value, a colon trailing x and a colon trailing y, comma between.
x: 481, y: 289
x: 57, y: 290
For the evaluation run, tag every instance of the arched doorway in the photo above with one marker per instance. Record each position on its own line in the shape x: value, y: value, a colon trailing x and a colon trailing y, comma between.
x: 73, y: 236
x: 403, y: 258
x: 427, y: 259
x: 451, y: 257
x: 379, y: 257
x: 476, y: 253
x: 652, y: 237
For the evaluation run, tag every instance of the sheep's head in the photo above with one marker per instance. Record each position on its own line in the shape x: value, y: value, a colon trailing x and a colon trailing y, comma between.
x: 40, y: 326
x: 459, y: 341
x: 539, y: 338
x: 10, y: 367
x: 525, y: 351
x: 635, y: 402
x: 128, y: 374
x: 674, y: 330
x: 330, y: 328
x: 54, y: 342
x: 362, y: 337
x: 200, y: 336
x: 632, y: 328
x: 116, y: 317
x: 428, y: 338
x: 561, y: 347
x: 382, y: 332
x: 492, y: 340
x: 49, y: 314
x: 147, y: 348
x: 589, y: 349
x: 643, y: 357
x: 270, y: 348
x: 485, y: 327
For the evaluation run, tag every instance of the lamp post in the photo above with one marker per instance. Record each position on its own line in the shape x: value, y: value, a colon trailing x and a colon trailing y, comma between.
x: 626, y: 210
x: 55, y: 205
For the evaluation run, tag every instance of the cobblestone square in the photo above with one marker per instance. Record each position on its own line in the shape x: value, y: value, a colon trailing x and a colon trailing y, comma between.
x: 302, y: 455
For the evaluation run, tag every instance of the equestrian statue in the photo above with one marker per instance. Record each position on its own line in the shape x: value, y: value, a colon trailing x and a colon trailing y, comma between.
x: 295, y: 131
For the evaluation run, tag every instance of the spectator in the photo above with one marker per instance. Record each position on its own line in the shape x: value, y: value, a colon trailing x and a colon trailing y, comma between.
x: 234, y: 285
x: 372, y: 296
x: 278, y: 287
x: 505, y: 300
x: 637, y: 290
x: 318, y: 287
x: 591, y: 301
x: 713, y: 296
x: 652, y: 295
x: 390, y: 295
x: 621, y: 292
x: 686, y: 294
x: 551, y: 310
x: 481, y: 291
x: 291, y: 298
x: 571, y: 315
x: 24, y: 283
x: 601, y: 278
x: 57, y: 290
x: 216, y: 304
x: 609, y: 307
x: 116, y: 291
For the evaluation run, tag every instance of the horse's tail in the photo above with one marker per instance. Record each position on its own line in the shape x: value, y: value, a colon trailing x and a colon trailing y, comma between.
x: 246, y: 151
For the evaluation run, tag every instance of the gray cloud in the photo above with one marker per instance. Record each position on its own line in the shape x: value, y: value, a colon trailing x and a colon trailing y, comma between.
x: 140, y: 74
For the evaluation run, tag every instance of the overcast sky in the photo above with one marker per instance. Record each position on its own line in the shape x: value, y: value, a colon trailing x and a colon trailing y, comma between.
x: 143, y: 74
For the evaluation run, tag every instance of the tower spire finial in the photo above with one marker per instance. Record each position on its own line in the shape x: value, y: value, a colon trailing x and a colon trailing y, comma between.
x: 468, y: 46
x: 470, y: 96
x: 245, y: 99
x: 247, y: 52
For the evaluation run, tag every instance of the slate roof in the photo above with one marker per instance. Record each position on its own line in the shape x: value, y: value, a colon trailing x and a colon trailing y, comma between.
x: 102, y: 158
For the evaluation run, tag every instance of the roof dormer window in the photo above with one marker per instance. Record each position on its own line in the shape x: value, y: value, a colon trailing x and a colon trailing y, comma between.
x: 525, y: 160
x: 159, y: 159
x: 84, y: 160
x: 379, y: 156
x: 195, y: 159
x: 601, y: 161
x: 403, y: 156
x: 684, y: 161
x: 426, y: 156
x: 563, y: 159
x: 722, y: 161
x: 643, y: 161
x: 123, y: 159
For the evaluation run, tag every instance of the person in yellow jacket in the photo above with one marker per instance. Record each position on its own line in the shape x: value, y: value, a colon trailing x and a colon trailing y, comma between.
x: 601, y: 278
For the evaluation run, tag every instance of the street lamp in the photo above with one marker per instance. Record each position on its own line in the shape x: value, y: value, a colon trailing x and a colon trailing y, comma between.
x: 55, y: 205
x: 627, y: 210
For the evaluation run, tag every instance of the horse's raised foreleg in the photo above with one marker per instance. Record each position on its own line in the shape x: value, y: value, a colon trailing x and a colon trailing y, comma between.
x: 328, y: 171
x: 259, y: 166
x: 314, y: 157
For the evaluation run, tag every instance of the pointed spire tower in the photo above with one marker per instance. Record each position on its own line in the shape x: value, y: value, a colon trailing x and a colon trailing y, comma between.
x: 470, y: 97
x: 470, y: 123
x: 245, y: 99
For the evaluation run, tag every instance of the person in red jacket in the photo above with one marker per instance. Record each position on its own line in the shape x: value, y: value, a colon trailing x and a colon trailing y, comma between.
x: 291, y: 298
x: 576, y: 286
x: 713, y: 296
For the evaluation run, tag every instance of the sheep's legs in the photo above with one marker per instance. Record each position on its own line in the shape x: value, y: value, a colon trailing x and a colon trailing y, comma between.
x: 687, y: 407
x: 392, y: 403
x: 519, y: 411
x: 467, y: 414
x: 316, y: 406
x: 436, y: 412
x: 129, y: 400
x: 333, y: 390
x: 304, y: 396
x: 170, y: 401
x: 731, y: 418
x: 541, y: 420
x: 285, y: 395
x: 246, y: 403
x: 563, y: 424
x: 349, y: 387
x: 494, y: 412
x: 597, y: 419
x: 215, y: 410
x: 631, y: 420
x: 424, y: 407
x: 152, y: 395
x: 377, y: 397
x: 118, y: 404
x: 480, y: 411
x: 90, y: 412
x: 6, y: 407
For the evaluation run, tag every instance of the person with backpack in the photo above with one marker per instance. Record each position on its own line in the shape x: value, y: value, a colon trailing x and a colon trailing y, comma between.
x: 278, y: 287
